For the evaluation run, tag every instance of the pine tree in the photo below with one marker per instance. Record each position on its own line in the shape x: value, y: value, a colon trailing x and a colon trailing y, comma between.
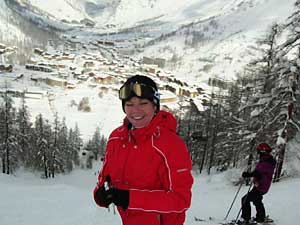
x: 95, y: 144
x: 259, y: 92
x: 24, y: 135
x: 274, y: 95
x: 42, y: 154
x: 65, y: 156
x: 54, y: 148
x: 188, y: 129
x: 8, y: 135
x: 103, y: 143
x: 76, y: 144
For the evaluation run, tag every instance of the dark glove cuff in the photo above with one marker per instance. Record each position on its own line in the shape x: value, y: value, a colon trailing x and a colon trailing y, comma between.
x: 121, y: 198
x: 246, y: 174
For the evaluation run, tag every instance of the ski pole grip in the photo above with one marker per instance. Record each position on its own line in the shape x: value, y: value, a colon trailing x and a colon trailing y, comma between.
x: 107, y: 183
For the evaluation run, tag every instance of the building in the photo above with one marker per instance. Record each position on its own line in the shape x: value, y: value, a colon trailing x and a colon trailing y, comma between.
x: 38, y: 51
x: 160, y: 62
x: 105, y: 79
x: 38, y: 68
x: 6, y: 68
x: 55, y: 81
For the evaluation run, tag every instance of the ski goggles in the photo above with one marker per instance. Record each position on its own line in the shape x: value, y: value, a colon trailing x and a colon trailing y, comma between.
x: 139, y: 90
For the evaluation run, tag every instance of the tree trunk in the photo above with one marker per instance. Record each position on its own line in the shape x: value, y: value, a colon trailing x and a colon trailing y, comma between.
x: 45, y: 165
x: 279, y: 164
x: 212, y: 153
x: 7, y: 133
x: 249, y: 167
x: 3, y: 164
x: 7, y: 159
x: 203, y: 157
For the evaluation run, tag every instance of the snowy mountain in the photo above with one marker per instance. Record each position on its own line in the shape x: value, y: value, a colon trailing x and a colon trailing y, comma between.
x: 199, y: 39
x: 202, y: 38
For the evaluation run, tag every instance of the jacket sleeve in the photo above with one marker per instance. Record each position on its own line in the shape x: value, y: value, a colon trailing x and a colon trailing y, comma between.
x: 178, y: 180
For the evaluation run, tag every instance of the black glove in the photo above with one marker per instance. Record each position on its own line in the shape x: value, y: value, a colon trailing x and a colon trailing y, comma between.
x: 105, y: 197
x: 246, y: 174
x: 120, y: 197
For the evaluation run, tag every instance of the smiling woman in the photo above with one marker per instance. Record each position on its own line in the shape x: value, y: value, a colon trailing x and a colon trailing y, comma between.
x: 139, y: 111
x: 140, y: 100
x: 147, y: 168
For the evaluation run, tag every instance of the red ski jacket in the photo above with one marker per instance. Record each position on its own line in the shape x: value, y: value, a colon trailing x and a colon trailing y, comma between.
x: 154, y: 164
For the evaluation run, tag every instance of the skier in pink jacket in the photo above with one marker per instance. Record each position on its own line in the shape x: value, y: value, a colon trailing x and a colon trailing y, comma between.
x: 262, y: 179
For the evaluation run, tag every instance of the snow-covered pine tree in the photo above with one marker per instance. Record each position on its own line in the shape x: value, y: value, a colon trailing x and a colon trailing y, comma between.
x: 42, y: 154
x: 8, y: 141
x: 246, y: 125
x: 95, y: 143
x: 289, y: 86
x: 275, y: 94
x: 25, y: 133
x: 65, y: 156
x: 103, y: 143
x: 54, y: 147
x: 230, y: 139
x: 75, y: 143
x: 191, y: 129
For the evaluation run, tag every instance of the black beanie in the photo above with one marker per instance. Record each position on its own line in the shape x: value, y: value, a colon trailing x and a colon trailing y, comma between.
x: 147, y: 81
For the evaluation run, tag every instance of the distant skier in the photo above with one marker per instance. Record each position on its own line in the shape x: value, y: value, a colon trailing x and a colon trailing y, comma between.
x: 262, y: 179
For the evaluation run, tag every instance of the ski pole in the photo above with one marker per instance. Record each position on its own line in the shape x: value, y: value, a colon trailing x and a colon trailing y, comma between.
x: 237, y: 217
x: 233, y: 200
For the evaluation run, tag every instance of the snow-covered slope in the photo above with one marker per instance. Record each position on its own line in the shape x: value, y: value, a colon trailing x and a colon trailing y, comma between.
x: 223, y: 42
x: 62, y: 9
x: 67, y: 200
x: 22, y: 33
x: 124, y: 13
x: 8, y: 30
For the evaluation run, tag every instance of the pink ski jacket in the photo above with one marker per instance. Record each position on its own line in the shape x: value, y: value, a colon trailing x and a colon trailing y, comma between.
x: 154, y: 164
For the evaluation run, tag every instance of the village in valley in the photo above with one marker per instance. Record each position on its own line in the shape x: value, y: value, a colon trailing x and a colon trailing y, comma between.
x: 100, y: 66
x: 75, y: 79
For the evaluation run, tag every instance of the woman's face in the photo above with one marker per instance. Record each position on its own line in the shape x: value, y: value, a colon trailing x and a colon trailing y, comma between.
x: 139, y: 111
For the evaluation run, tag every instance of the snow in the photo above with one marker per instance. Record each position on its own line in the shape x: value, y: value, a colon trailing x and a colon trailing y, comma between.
x: 106, y: 112
x: 10, y: 30
x: 26, y: 199
x: 67, y: 199
x: 61, y: 9
x: 127, y: 13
